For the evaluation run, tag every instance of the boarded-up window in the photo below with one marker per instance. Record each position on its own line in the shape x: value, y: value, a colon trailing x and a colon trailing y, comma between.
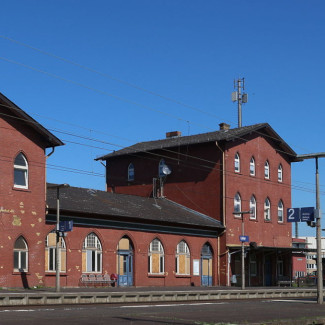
x: 50, y: 253
x: 183, y: 258
x: 156, y: 257
x: 92, y: 254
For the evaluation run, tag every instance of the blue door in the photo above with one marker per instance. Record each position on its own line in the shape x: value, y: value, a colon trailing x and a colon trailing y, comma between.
x: 125, y: 267
x: 206, y: 265
x: 206, y: 271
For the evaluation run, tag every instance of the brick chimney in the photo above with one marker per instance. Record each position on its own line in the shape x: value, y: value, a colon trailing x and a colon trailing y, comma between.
x: 173, y: 134
x: 224, y: 126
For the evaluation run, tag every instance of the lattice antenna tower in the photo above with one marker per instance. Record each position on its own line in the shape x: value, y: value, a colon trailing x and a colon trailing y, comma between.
x: 240, y: 97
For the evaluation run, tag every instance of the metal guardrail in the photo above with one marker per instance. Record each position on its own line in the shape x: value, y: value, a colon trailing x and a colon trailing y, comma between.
x: 32, y: 299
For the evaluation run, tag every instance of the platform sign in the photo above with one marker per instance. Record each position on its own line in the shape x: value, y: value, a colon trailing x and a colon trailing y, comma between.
x: 65, y: 226
x: 244, y: 239
x: 293, y: 215
x: 307, y: 214
x: 300, y: 214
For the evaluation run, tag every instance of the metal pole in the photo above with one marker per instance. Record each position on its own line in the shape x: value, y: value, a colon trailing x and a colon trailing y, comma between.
x: 57, y: 251
x: 319, y: 241
x: 239, y: 104
x: 242, y: 255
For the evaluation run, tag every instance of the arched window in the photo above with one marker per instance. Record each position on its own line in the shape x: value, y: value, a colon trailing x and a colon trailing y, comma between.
x: 237, y: 163
x: 156, y: 257
x: 267, y: 209
x: 131, y: 173
x: 280, y: 173
x: 267, y: 170
x: 183, y: 258
x: 160, y: 168
x: 92, y: 254
x: 50, y: 253
x: 252, y: 167
x: 237, y: 204
x: 252, y: 207
x: 280, y: 211
x: 20, y: 255
x: 21, y: 171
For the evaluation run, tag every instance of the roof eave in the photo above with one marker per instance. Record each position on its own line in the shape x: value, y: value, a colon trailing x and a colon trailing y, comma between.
x: 50, y: 139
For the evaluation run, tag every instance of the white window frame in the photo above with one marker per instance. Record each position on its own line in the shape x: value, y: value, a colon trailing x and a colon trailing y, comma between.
x: 267, y: 209
x: 252, y: 207
x: 94, y: 253
x: 156, y: 247
x: 237, y: 163
x: 237, y: 204
x: 131, y: 172
x: 20, y: 253
x: 182, y: 249
x: 252, y: 167
x: 21, y: 169
x: 280, y: 173
x: 267, y: 170
x: 280, y: 212
x: 50, y: 250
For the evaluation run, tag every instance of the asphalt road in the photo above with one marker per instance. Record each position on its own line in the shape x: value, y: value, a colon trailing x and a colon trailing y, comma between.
x: 200, y: 313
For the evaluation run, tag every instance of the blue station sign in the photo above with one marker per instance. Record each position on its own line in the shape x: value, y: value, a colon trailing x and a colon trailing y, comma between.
x: 65, y: 226
x: 244, y: 239
x: 300, y: 214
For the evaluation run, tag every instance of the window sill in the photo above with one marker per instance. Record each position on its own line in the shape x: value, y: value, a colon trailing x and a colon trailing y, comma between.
x: 267, y: 221
x: 50, y: 273
x: 182, y: 275
x: 157, y: 275
x: 20, y: 273
x: 21, y: 189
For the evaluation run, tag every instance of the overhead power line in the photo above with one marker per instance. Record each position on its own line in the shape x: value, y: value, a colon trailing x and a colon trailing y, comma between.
x: 187, y: 163
x: 100, y: 73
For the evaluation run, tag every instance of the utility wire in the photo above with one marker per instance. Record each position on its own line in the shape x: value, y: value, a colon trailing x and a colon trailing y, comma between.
x: 189, y: 164
x: 175, y: 101
x: 101, y: 92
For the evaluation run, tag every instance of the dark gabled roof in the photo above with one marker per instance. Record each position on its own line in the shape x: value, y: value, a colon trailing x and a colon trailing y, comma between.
x: 222, y: 135
x: 50, y: 139
x: 99, y: 204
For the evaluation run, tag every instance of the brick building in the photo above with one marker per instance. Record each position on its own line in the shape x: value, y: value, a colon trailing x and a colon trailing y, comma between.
x: 22, y: 195
x: 144, y: 240
x: 168, y: 216
x: 220, y: 173
x: 147, y: 242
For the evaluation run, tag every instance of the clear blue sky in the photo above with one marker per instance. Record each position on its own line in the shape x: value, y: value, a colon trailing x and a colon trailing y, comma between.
x: 130, y: 55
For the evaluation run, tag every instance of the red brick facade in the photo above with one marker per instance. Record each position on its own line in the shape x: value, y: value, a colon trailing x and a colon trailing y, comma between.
x: 204, y: 178
x: 22, y: 211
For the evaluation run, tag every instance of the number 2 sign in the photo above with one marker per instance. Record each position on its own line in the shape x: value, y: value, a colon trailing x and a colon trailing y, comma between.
x: 293, y: 215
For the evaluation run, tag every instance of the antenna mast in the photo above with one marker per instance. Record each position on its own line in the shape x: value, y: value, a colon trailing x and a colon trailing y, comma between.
x: 239, y: 97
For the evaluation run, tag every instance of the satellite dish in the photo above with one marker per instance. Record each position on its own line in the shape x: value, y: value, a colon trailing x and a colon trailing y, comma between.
x: 166, y: 170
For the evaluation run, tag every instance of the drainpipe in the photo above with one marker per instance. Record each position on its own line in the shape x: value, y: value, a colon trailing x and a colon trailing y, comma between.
x: 45, y: 169
x: 223, y: 214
